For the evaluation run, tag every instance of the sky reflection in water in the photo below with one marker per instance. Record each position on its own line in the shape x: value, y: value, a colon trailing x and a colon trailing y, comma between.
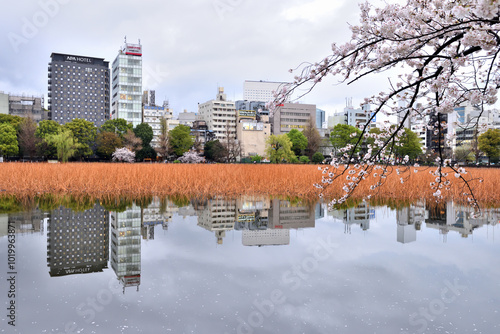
x: 253, y: 266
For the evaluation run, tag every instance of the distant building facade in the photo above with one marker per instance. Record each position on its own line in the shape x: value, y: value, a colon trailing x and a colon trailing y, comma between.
x: 219, y: 115
x: 78, y: 88
x: 252, y: 132
x: 290, y: 116
x: 261, y: 90
x: 358, y: 117
x: 22, y: 106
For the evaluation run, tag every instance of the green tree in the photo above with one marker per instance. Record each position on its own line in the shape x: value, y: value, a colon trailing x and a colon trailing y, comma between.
x: 180, y: 139
x: 118, y: 126
x: 304, y: 159
x: 299, y: 141
x: 279, y: 149
x: 12, y: 120
x: 8, y: 140
x: 65, y: 144
x: 489, y: 143
x: 145, y: 132
x: 45, y: 129
x: 409, y: 144
x: 341, y: 136
x: 318, y: 157
x: 26, y: 136
x: 215, y: 151
x: 107, y: 143
x: 85, y: 133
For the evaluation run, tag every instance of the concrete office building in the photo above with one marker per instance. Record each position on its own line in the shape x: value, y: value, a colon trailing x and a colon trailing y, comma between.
x: 26, y: 106
x: 290, y: 116
x: 22, y: 106
x: 78, y: 88
x: 187, y: 118
x: 127, y: 84
x: 220, y: 115
x: 261, y: 90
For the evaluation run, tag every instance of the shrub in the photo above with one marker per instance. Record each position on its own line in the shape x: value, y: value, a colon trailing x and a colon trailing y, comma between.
x: 318, y: 157
x: 304, y: 159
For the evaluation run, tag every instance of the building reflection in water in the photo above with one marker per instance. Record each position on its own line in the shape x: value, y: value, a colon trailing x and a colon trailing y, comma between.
x: 77, y: 242
x: 409, y: 220
x: 23, y: 222
x: 156, y: 213
x: 216, y: 215
x: 451, y: 216
x: 126, y: 246
x: 356, y: 215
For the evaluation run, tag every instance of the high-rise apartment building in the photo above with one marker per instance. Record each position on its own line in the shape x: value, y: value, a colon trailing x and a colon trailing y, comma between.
x: 127, y: 84
x: 78, y: 88
x: 220, y: 115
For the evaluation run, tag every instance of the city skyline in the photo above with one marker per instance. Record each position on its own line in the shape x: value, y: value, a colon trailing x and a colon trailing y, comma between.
x: 183, y: 62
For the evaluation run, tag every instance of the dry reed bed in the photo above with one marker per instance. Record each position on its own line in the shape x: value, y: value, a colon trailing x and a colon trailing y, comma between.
x: 107, y: 180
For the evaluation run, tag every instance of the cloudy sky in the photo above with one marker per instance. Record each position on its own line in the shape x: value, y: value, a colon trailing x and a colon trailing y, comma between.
x: 189, y: 47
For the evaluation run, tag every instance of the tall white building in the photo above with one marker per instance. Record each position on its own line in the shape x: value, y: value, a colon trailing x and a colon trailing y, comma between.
x: 261, y: 90
x: 127, y: 84
x: 152, y: 116
x: 220, y: 115
x: 358, y: 117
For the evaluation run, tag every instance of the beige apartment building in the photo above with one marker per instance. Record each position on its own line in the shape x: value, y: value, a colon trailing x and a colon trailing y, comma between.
x: 252, y: 133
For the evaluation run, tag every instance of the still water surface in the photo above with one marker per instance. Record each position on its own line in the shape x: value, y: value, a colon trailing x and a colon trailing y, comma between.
x: 251, y: 266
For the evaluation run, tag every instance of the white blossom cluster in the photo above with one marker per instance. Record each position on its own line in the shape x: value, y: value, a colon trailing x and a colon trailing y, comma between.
x: 191, y: 157
x: 447, y: 53
x: 124, y: 155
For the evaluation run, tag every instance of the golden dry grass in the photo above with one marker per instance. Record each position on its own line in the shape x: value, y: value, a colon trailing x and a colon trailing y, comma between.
x: 114, y: 180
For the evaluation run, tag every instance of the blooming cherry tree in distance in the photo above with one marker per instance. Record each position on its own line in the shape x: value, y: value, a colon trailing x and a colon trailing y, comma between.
x: 124, y: 155
x: 191, y: 157
x: 445, y: 52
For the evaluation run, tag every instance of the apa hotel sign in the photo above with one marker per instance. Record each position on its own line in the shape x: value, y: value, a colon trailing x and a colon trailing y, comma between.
x: 77, y: 59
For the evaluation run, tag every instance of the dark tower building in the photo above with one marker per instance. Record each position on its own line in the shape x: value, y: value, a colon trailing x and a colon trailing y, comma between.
x: 78, y: 88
